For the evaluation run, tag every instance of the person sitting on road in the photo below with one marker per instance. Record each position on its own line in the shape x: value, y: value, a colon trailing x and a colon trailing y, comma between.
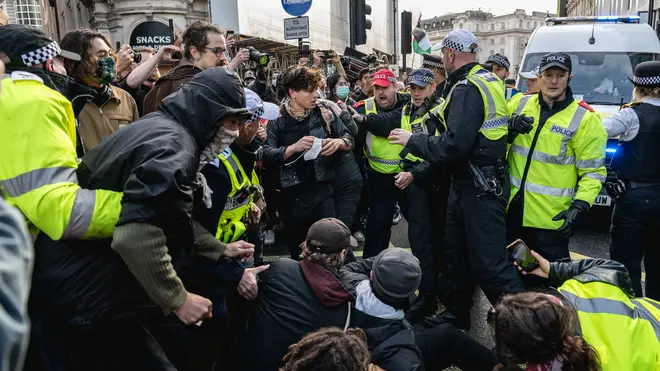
x: 595, y: 298
x: 296, y: 298
x: 379, y: 311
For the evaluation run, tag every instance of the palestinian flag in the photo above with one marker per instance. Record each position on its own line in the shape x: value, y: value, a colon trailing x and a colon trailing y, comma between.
x: 421, y: 42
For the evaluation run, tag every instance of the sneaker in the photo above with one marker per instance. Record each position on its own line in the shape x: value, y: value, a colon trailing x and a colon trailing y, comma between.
x: 460, y: 321
x: 423, y: 306
x: 359, y: 236
x: 269, y: 237
x: 397, y: 215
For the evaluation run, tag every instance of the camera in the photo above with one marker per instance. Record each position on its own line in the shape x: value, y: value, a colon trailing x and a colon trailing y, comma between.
x: 370, y: 59
x: 258, y: 57
x: 137, y: 57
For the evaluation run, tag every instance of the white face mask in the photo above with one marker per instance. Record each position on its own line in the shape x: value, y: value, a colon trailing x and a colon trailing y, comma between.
x: 223, y: 138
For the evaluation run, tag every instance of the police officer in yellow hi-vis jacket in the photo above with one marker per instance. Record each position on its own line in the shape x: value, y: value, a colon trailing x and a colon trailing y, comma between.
x: 623, y: 329
x: 38, y: 142
x: 395, y: 176
x: 558, y: 168
x: 474, y: 147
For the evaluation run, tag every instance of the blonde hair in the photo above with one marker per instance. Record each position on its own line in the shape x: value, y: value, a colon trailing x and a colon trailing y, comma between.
x: 640, y: 92
x: 333, y: 260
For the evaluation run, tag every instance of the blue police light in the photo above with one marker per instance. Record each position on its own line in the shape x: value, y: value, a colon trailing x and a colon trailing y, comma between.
x: 614, y: 18
x: 610, y: 150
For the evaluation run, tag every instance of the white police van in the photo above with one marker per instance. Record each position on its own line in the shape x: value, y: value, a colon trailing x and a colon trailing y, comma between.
x: 604, y: 52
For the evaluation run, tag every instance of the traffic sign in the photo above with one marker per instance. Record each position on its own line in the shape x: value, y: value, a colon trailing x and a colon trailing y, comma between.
x: 296, y: 7
x: 296, y: 28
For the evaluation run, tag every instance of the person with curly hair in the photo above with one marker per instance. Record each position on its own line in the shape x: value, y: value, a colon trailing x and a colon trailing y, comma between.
x: 329, y: 349
x: 304, y: 148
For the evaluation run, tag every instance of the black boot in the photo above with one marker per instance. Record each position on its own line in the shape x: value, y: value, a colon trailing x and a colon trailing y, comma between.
x: 461, y: 321
x: 424, y: 305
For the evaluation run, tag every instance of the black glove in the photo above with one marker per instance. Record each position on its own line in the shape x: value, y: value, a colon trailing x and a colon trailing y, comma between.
x: 571, y: 217
x: 521, y: 124
x: 615, y: 189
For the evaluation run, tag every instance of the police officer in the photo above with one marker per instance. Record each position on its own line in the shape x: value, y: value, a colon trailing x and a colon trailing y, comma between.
x: 474, y: 144
x: 434, y: 63
x: 557, y: 170
x: 637, y: 189
x: 406, y: 181
x: 499, y: 65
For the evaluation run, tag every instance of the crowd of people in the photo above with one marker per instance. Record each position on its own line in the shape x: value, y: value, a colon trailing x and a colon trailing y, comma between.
x: 137, y: 207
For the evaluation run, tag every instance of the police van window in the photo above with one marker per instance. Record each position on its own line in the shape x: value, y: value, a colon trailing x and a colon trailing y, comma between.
x: 600, y: 78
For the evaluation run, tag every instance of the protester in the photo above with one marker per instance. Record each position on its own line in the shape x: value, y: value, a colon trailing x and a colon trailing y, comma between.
x: 296, y: 298
x: 203, y: 47
x: 329, y: 349
x: 379, y: 310
x: 248, y: 78
x: 305, y: 183
x: 110, y: 108
x: 594, y: 299
x: 364, y: 88
x: 124, y: 62
x: 339, y: 89
x: 114, y: 318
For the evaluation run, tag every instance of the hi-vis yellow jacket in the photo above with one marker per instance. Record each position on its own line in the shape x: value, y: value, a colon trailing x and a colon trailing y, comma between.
x: 566, y: 153
x: 38, y: 164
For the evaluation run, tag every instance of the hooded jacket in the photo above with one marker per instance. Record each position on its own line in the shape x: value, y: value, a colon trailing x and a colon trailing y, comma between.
x: 167, y: 85
x: 295, y: 298
x: 154, y: 164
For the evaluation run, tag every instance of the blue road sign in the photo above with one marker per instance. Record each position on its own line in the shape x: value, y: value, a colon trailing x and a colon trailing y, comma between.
x: 296, y: 7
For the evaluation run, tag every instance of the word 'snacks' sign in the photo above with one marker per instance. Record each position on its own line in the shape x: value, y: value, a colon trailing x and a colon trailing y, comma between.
x: 151, y: 34
x: 296, y: 28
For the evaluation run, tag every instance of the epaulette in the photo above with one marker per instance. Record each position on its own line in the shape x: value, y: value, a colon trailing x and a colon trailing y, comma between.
x: 586, y: 105
x: 358, y: 104
x: 25, y: 76
x: 631, y: 104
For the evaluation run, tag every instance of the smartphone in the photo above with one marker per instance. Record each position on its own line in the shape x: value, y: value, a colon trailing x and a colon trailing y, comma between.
x: 327, y: 54
x: 520, y: 253
x: 230, y: 34
x: 304, y: 50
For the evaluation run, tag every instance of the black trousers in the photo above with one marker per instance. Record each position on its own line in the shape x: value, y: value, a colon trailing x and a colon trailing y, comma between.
x: 439, y: 193
x: 475, y: 248
x: 383, y: 197
x: 546, y: 242
x: 420, y: 233
x: 347, y: 186
x: 445, y: 346
x: 635, y: 235
x: 302, y: 206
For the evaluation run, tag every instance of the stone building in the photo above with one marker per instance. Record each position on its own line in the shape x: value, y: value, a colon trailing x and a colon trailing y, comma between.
x: 581, y: 8
x: 506, y: 34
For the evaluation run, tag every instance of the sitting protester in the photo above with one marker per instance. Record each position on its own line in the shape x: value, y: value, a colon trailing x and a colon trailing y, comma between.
x: 296, y: 298
x: 592, y: 322
x: 380, y: 302
x: 330, y: 349
x: 301, y: 149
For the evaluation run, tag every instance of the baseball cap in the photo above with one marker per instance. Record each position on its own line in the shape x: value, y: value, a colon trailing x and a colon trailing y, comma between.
x: 421, y: 77
x: 249, y: 75
x: 396, y: 275
x: 461, y: 41
x: 329, y: 236
x: 500, y: 60
x: 259, y: 108
x: 27, y: 46
x: 384, y: 78
x: 533, y: 74
x: 561, y: 60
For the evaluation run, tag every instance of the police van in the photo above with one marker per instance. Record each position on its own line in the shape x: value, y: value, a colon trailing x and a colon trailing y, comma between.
x: 604, y: 52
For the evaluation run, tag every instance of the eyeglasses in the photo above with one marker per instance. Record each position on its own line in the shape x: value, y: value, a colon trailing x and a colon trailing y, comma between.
x: 217, y: 51
x: 343, y: 84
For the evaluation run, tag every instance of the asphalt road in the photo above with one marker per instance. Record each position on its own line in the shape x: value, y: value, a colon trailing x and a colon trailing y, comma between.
x: 590, y: 241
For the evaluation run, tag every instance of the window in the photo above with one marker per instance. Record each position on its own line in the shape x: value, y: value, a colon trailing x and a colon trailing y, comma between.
x: 501, y: 40
x: 503, y: 25
x: 492, y: 42
x: 492, y: 27
x: 477, y: 26
x: 492, y: 51
x: 460, y: 25
x: 536, y: 24
x: 426, y: 26
x: 527, y: 24
x: 502, y: 51
x: 435, y: 24
x: 520, y: 23
x: 28, y: 12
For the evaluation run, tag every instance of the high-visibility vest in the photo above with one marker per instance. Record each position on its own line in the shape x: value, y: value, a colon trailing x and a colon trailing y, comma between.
x: 625, y: 332
x: 490, y: 87
x: 39, y: 162
x: 569, y: 147
x: 231, y: 225
x: 383, y: 156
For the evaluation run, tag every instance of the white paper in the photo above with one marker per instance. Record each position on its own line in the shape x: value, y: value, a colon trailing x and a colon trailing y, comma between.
x: 315, y: 150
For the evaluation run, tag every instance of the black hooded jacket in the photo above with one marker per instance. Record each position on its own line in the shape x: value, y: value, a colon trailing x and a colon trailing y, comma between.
x: 154, y: 163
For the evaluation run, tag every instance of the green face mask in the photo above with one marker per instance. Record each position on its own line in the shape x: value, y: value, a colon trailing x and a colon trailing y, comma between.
x: 342, y: 92
x: 105, y: 71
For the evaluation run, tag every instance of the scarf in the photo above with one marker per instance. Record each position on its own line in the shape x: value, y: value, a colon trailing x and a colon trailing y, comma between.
x: 223, y: 138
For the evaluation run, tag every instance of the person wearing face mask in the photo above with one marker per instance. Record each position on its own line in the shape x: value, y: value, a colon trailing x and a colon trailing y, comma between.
x: 301, y: 149
x: 398, y: 177
x: 339, y: 89
x: 40, y: 155
x: 110, y: 108
x: 474, y: 147
x: 204, y: 46
x: 126, y: 287
x: 558, y: 168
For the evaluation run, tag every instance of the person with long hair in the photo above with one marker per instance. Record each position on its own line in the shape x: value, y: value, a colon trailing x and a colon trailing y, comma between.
x: 339, y: 89
x: 592, y: 322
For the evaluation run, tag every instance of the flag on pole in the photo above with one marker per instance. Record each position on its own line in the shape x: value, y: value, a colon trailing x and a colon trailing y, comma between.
x: 421, y: 42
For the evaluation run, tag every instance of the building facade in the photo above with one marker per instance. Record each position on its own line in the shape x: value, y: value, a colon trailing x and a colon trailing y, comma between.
x: 628, y: 7
x: 581, y: 8
x: 505, y: 34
